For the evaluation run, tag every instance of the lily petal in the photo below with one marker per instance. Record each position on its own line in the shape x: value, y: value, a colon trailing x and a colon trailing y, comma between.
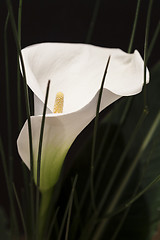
x: 77, y: 71
x: 80, y: 67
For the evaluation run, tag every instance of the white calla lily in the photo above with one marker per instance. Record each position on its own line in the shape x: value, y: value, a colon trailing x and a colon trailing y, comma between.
x: 76, y: 70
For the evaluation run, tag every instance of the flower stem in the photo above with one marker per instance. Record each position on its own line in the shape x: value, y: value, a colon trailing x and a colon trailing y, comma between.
x: 43, y: 213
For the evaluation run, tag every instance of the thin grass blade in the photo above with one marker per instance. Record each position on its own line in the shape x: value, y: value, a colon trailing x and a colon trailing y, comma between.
x: 131, y: 169
x: 93, y: 21
x: 121, y: 160
x: 52, y: 224
x: 21, y: 212
x: 8, y: 102
x: 70, y: 208
x: 146, y: 50
x: 123, y: 218
x: 67, y: 208
x: 18, y: 70
x: 13, y: 24
x: 94, y: 137
x: 39, y: 155
x: 14, y: 221
x: 110, y: 150
x: 132, y: 200
x: 134, y: 26
x: 151, y: 46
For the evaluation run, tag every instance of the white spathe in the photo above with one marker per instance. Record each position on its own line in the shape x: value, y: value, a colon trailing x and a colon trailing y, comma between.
x: 77, y: 71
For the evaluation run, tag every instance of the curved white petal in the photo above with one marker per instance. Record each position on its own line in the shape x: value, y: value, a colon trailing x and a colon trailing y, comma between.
x: 59, y: 133
x: 77, y: 71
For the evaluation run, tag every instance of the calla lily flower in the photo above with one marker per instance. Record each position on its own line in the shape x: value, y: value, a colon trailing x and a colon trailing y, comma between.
x: 76, y: 70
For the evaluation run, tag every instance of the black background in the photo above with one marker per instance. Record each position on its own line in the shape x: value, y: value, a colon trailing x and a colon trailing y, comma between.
x: 68, y: 21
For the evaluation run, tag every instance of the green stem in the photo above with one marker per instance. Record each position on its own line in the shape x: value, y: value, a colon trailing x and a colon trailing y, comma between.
x: 43, y: 213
